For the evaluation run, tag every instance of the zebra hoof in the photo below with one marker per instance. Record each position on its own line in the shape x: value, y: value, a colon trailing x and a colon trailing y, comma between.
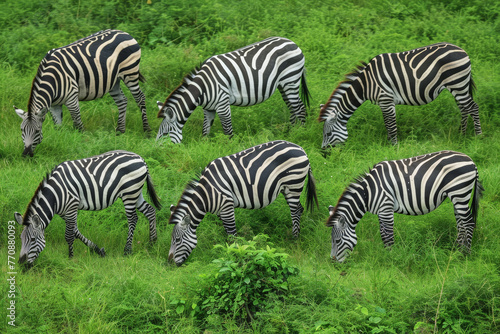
x: 127, y: 251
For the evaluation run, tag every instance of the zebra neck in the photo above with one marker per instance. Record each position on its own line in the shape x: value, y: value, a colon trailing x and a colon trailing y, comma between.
x: 206, y: 95
x: 41, y: 98
x: 47, y: 78
x: 44, y: 205
x: 348, y: 97
x: 375, y: 190
x: 210, y: 196
x: 356, y: 197
x: 187, y: 98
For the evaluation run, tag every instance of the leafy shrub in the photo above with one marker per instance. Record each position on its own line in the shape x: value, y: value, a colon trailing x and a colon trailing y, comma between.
x: 246, y: 278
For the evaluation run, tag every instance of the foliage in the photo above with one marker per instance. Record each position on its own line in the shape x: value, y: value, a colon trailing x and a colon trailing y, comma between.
x: 422, y: 285
x: 247, y: 276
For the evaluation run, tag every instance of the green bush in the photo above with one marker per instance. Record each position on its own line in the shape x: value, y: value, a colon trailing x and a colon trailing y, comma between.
x: 247, y: 276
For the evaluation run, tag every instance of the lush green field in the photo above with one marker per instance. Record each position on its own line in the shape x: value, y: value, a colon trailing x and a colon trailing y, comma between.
x: 422, y: 285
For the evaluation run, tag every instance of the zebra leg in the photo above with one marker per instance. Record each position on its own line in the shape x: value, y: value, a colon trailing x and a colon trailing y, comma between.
x: 150, y: 214
x: 73, y: 106
x: 227, y: 216
x: 469, y: 107
x: 296, y: 209
x: 208, y: 121
x: 140, y: 99
x: 121, y: 102
x: 291, y: 96
x: 70, y: 218
x: 132, y: 222
x: 93, y: 247
x: 465, y: 225
x: 224, y: 111
x: 69, y: 235
x: 72, y: 231
x: 386, y: 220
x: 389, y: 114
x: 56, y: 112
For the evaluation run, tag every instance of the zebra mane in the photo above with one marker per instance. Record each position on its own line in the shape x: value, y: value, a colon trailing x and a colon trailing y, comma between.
x: 190, y: 186
x: 35, y: 196
x: 182, y: 87
x: 337, y: 93
x: 39, y: 72
x: 186, y: 195
x: 357, y: 180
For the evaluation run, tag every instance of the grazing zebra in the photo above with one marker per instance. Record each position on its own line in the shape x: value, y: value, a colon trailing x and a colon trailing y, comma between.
x: 413, y: 186
x: 413, y: 77
x: 88, y: 184
x: 82, y: 71
x: 251, y: 179
x: 244, y: 77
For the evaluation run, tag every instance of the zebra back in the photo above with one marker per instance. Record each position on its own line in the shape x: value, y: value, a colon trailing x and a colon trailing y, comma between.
x: 244, y: 77
x: 80, y: 56
x: 414, y: 77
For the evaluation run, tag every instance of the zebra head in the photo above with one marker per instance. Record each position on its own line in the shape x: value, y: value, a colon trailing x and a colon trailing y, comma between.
x: 31, y: 129
x: 334, y: 130
x: 343, y: 235
x: 32, y: 238
x: 184, y: 238
x: 170, y: 124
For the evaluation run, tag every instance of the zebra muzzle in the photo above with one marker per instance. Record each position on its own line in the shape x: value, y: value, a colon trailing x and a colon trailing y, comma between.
x: 22, y: 258
x: 28, y: 151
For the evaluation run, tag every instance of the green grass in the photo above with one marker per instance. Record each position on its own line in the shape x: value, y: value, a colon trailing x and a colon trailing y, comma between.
x: 422, y: 285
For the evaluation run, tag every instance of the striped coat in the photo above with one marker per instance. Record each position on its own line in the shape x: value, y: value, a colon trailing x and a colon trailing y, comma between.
x: 414, y: 77
x: 87, y: 184
x: 251, y: 179
x: 82, y: 71
x: 243, y: 77
x: 413, y: 186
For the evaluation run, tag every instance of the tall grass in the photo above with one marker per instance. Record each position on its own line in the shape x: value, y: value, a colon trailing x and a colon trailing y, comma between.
x: 423, y: 284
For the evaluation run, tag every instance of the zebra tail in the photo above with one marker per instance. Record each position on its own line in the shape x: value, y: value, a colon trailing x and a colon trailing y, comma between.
x: 152, y: 193
x: 141, y: 77
x: 478, y: 193
x: 311, y: 195
x: 305, y: 94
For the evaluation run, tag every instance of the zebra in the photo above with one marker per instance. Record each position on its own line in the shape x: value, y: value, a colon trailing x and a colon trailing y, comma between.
x: 413, y: 186
x: 250, y: 179
x: 243, y: 77
x: 81, y: 71
x: 413, y: 77
x: 91, y: 184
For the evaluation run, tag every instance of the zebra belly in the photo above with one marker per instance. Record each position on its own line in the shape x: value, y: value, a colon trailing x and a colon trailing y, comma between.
x: 245, y: 97
x: 415, y: 206
x: 245, y: 202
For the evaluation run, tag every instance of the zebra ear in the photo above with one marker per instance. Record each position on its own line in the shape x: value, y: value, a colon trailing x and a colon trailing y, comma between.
x: 330, y: 209
x: 341, y: 223
x: 185, y: 222
x: 42, y: 113
x: 37, y: 223
x: 19, y: 218
x: 159, y: 104
x: 21, y: 113
x: 172, y: 209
